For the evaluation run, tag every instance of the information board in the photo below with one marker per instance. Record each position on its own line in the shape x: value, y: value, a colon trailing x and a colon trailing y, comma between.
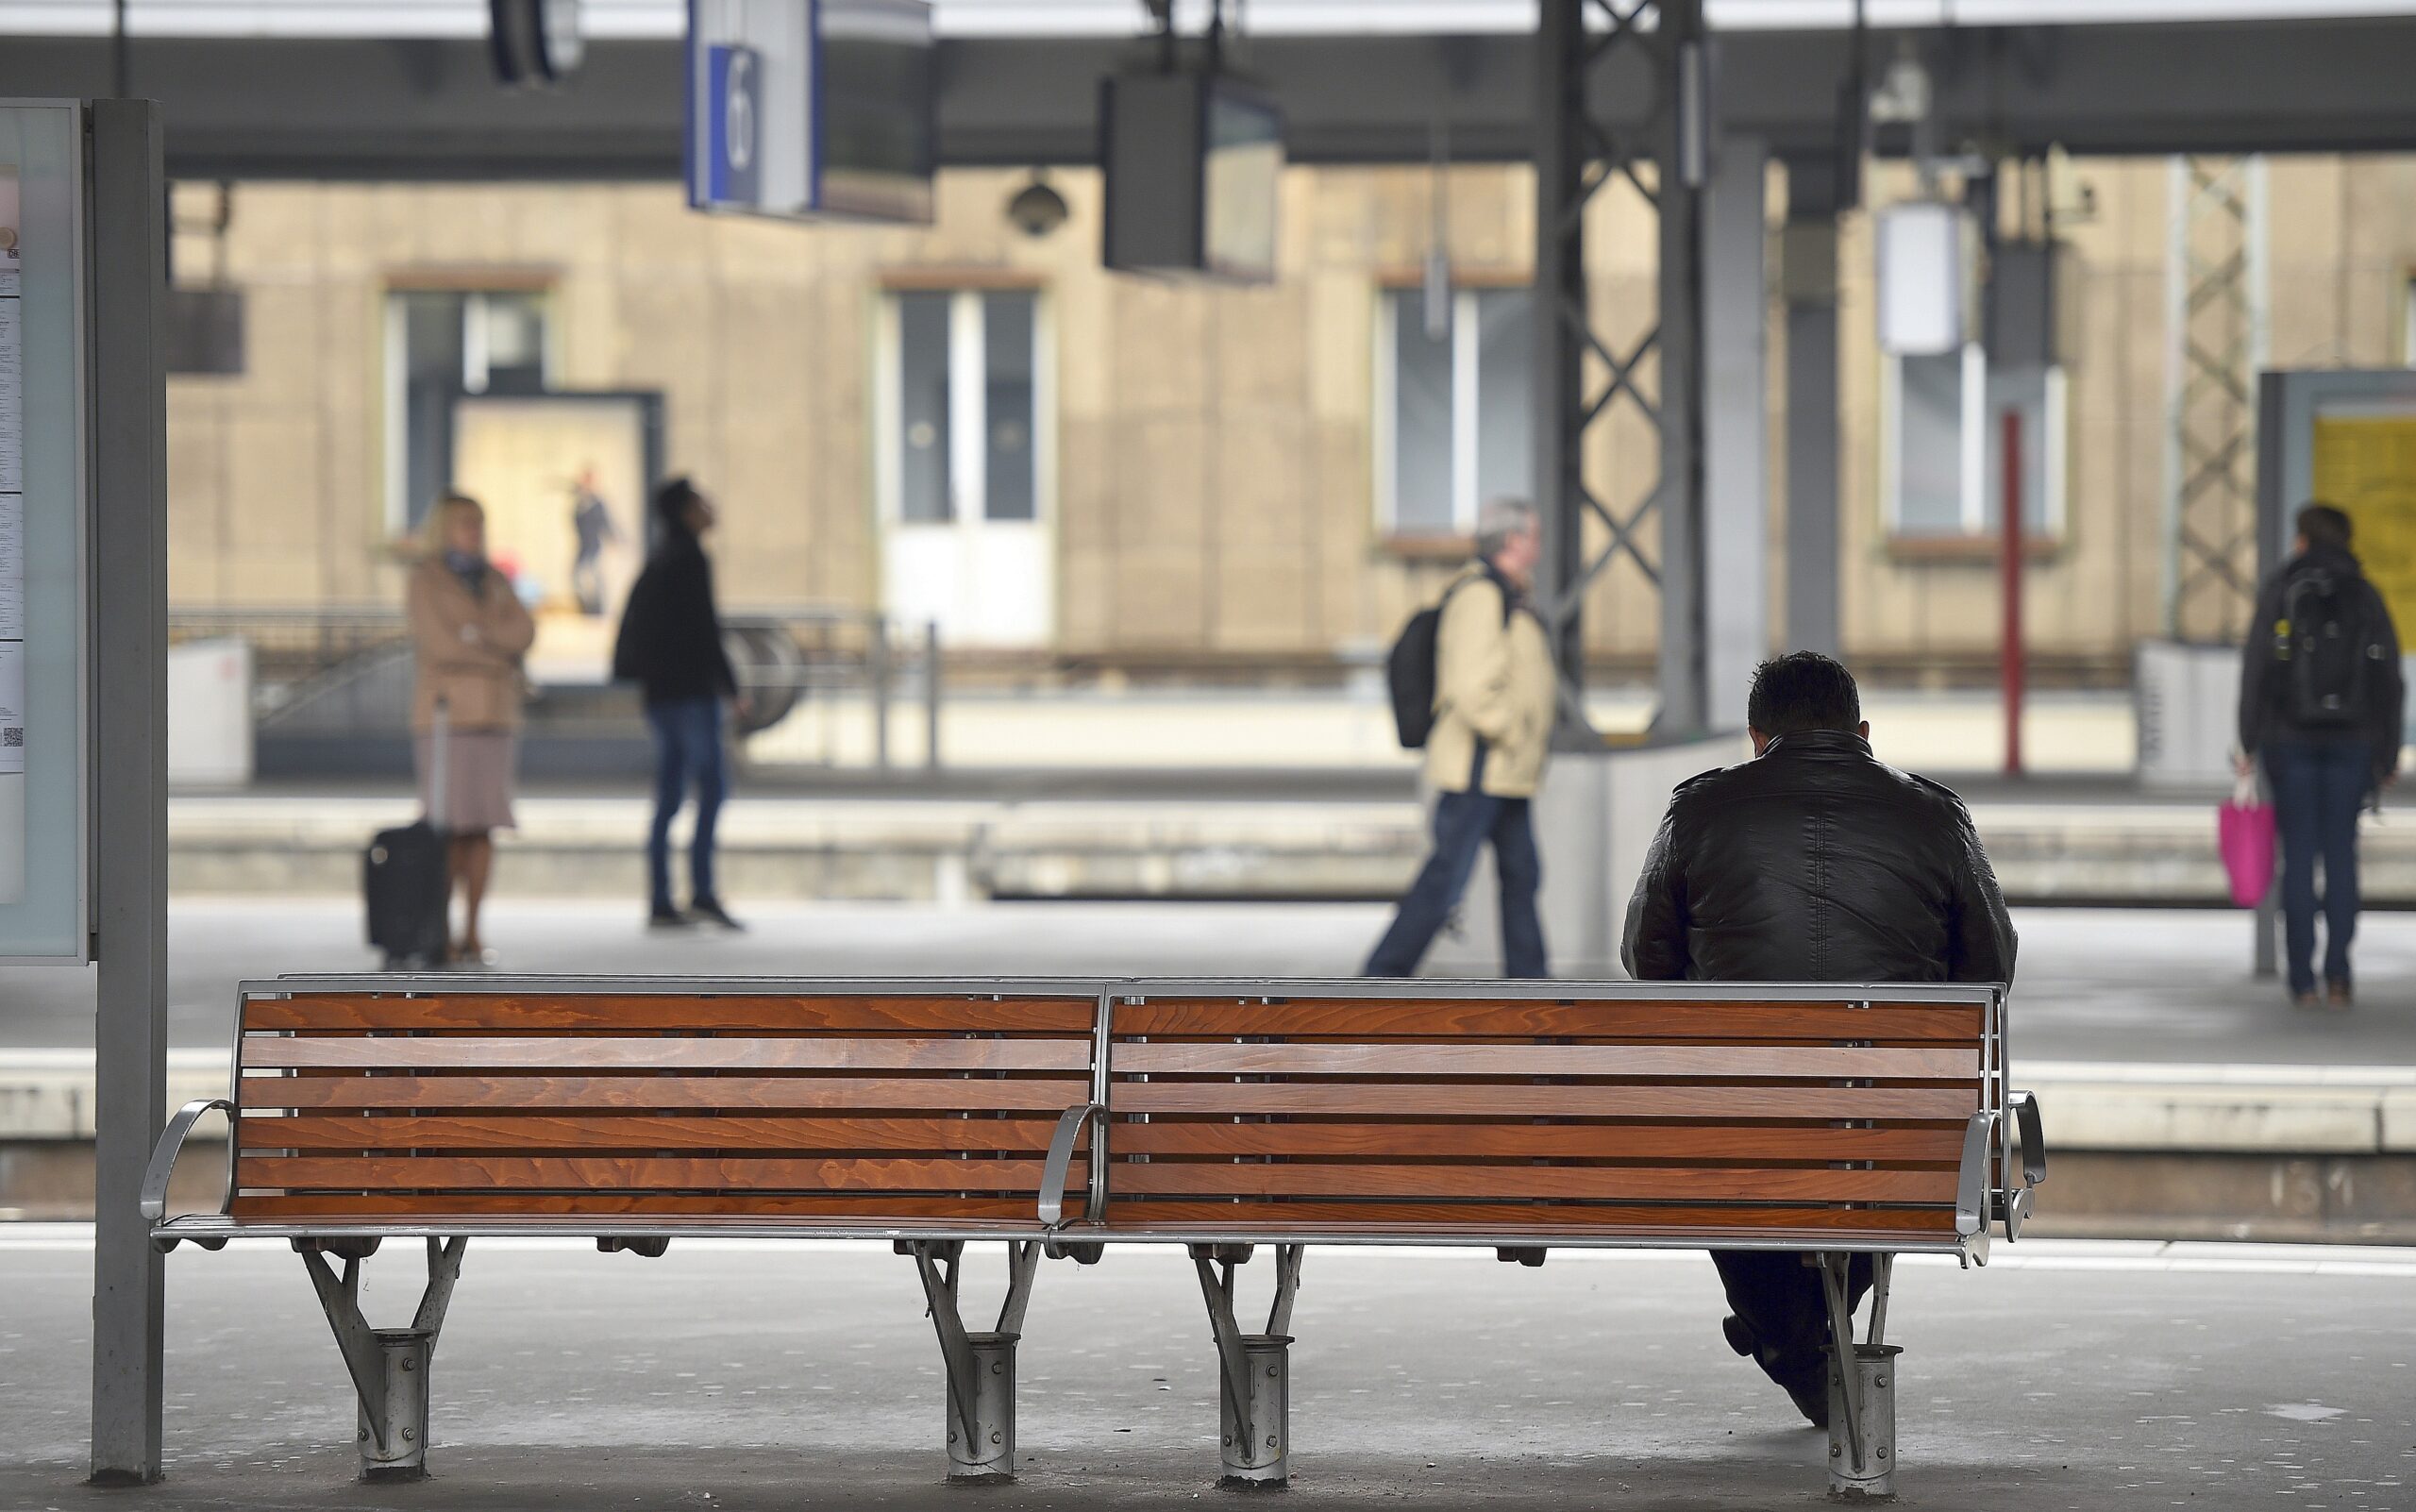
x: 43, y: 826
x: 2366, y: 465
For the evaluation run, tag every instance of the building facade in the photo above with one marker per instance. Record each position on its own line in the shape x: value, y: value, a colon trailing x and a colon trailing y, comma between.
x: 1074, y: 470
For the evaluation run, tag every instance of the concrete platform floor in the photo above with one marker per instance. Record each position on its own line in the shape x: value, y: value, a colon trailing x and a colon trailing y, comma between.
x: 2136, y: 985
x: 2063, y: 1376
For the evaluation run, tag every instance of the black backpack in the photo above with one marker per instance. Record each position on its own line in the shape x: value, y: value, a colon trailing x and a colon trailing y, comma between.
x: 2333, y: 639
x: 1409, y: 670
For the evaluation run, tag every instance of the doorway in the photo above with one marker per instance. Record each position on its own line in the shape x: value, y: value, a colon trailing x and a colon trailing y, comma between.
x: 963, y: 424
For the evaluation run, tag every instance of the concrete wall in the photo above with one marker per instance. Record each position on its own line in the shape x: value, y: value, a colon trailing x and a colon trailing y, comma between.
x: 1216, y: 477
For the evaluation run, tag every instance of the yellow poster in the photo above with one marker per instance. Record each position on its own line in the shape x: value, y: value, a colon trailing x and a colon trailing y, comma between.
x: 2366, y: 464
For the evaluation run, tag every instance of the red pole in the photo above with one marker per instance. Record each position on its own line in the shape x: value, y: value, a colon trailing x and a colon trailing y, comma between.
x: 2009, y: 572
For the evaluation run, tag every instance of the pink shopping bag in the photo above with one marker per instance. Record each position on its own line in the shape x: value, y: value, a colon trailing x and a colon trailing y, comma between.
x: 2244, y: 831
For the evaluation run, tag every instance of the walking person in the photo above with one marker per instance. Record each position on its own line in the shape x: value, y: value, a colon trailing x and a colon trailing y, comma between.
x: 2321, y: 701
x: 1811, y: 863
x: 470, y: 632
x: 592, y: 531
x: 670, y: 644
x: 1485, y: 755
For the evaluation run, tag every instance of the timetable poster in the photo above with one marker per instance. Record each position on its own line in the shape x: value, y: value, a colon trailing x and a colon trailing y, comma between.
x: 12, y: 552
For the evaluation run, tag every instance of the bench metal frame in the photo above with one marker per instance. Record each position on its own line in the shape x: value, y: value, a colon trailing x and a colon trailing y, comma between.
x: 2003, y: 1140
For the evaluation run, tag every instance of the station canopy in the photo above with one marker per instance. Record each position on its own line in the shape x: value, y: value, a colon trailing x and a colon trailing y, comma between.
x: 404, y: 89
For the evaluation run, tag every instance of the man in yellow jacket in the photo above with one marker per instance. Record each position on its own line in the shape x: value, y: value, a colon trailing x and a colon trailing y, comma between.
x: 1493, y: 722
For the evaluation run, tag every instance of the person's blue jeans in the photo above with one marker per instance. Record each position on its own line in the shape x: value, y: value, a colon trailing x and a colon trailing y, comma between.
x: 1464, y: 821
x: 687, y: 751
x: 2319, y: 786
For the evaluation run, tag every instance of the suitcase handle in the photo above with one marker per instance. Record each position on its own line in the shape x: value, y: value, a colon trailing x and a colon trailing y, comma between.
x: 439, y: 739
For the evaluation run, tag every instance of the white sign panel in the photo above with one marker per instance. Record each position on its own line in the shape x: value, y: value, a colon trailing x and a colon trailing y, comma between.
x: 42, y: 473
x: 1923, y: 278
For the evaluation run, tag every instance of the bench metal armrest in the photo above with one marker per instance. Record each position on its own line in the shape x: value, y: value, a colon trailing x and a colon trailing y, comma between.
x: 2033, y: 1134
x: 1971, y: 1184
x: 2014, y: 1201
x: 1061, y: 1160
x: 172, y: 1143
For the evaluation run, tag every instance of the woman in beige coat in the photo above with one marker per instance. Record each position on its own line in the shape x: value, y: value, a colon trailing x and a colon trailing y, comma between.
x: 470, y: 632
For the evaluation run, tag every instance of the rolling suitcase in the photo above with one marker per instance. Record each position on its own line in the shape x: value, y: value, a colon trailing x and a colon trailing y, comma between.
x: 405, y: 880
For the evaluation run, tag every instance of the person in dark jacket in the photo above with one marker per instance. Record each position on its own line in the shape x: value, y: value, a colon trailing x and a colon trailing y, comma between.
x: 670, y: 644
x: 1813, y: 862
x: 2321, y: 701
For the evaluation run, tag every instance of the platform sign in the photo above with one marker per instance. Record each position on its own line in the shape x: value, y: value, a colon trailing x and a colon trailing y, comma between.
x: 731, y: 172
x: 810, y: 109
x: 44, y: 911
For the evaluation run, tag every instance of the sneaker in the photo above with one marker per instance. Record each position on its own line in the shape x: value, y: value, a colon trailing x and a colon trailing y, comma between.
x: 669, y: 920
x: 709, y: 911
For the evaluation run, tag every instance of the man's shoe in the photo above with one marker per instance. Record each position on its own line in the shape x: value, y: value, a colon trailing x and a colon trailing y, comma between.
x: 666, y: 920
x: 1741, y: 1337
x: 2306, y: 1001
x: 2338, y: 996
x: 709, y: 911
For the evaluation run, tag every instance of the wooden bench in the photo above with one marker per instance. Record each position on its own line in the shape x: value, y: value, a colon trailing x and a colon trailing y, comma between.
x: 1060, y: 1118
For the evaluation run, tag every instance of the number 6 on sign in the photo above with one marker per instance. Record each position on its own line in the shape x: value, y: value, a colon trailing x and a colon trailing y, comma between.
x: 732, y: 178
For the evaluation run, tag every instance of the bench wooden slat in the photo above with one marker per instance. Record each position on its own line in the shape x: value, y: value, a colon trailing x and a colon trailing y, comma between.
x: 1494, y: 1100
x: 557, y: 1132
x: 936, y: 1093
x: 1600, y: 1182
x: 277, y: 1053
x: 1740, y: 1023
x: 866, y: 1207
x: 765, y: 1012
x: 1443, y: 1220
x: 1618, y: 1141
x: 1455, y: 1061
x: 745, y: 1176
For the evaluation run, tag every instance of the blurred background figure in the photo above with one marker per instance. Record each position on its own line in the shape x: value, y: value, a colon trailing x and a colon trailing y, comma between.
x: 592, y: 528
x: 1485, y: 757
x: 2321, y: 696
x: 670, y: 644
x: 469, y: 630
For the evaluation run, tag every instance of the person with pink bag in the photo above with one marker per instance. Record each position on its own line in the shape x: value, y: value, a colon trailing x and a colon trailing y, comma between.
x: 2321, y: 701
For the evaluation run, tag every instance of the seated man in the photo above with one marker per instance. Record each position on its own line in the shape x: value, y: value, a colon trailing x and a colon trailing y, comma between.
x: 1811, y: 863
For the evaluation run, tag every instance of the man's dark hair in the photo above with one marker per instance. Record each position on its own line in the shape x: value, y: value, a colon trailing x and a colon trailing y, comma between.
x: 671, y: 501
x: 1802, y: 691
x: 2324, y: 525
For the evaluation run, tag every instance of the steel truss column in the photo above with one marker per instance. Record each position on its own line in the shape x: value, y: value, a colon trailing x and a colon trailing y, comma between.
x: 2215, y: 327
x: 1575, y: 154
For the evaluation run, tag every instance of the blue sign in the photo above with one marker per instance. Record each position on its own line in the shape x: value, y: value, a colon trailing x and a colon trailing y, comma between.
x: 733, y: 159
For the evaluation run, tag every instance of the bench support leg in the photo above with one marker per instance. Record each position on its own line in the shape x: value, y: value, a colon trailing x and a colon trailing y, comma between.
x: 1862, y: 1390
x: 980, y: 1366
x: 1254, y: 1401
x: 388, y: 1365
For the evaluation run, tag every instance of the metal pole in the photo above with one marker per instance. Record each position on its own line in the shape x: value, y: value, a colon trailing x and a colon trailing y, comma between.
x: 931, y: 694
x: 1808, y: 271
x: 1735, y: 530
x: 877, y: 666
x: 1560, y: 306
x: 2010, y: 578
x: 1685, y: 699
x: 128, y: 261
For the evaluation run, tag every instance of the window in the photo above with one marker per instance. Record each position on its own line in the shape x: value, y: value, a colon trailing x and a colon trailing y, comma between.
x: 1453, y: 422
x: 966, y: 363
x: 1943, y: 440
x: 442, y: 343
